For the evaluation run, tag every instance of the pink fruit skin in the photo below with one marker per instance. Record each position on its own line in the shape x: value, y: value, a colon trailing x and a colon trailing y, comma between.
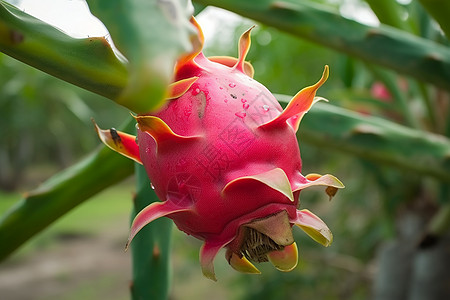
x: 224, y: 107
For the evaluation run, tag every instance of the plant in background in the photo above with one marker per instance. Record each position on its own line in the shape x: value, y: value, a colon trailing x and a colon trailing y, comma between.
x: 404, y: 154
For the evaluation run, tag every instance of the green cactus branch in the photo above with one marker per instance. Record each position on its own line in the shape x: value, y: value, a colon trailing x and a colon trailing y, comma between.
x: 150, y: 248
x: 61, y: 193
x: 383, y: 45
x: 152, y: 35
x: 389, y: 13
x: 89, y: 63
x: 440, y: 10
x: 376, y: 139
x: 140, y: 83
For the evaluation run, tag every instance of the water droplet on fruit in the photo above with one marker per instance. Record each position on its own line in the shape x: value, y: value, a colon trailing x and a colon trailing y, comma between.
x: 245, y: 105
x: 241, y: 114
x: 243, y: 100
x: 152, y: 186
x: 266, y: 107
x: 196, y: 91
x: 232, y: 85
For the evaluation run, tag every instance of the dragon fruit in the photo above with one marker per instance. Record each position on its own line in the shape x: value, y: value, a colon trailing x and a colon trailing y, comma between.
x: 223, y: 157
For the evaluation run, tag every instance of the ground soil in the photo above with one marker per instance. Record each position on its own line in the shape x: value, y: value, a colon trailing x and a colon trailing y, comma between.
x: 76, y: 267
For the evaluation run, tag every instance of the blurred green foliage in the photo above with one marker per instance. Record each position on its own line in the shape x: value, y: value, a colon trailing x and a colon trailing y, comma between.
x: 376, y: 208
x: 44, y: 120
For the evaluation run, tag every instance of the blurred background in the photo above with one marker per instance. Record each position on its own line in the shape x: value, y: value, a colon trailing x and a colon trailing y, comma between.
x: 379, y: 220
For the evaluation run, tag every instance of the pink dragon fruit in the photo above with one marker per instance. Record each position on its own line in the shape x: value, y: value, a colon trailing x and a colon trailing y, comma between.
x: 223, y: 157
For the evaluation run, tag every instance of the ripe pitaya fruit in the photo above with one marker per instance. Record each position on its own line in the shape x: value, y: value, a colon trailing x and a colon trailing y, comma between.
x: 223, y: 158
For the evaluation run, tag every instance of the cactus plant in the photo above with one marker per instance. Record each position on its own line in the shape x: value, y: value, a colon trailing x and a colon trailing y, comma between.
x: 93, y: 65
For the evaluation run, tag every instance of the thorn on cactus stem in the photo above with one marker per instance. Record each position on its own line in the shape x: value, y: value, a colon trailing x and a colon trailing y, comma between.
x: 282, y: 5
x: 156, y: 252
x: 433, y: 57
x: 373, y: 32
x: 16, y: 37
